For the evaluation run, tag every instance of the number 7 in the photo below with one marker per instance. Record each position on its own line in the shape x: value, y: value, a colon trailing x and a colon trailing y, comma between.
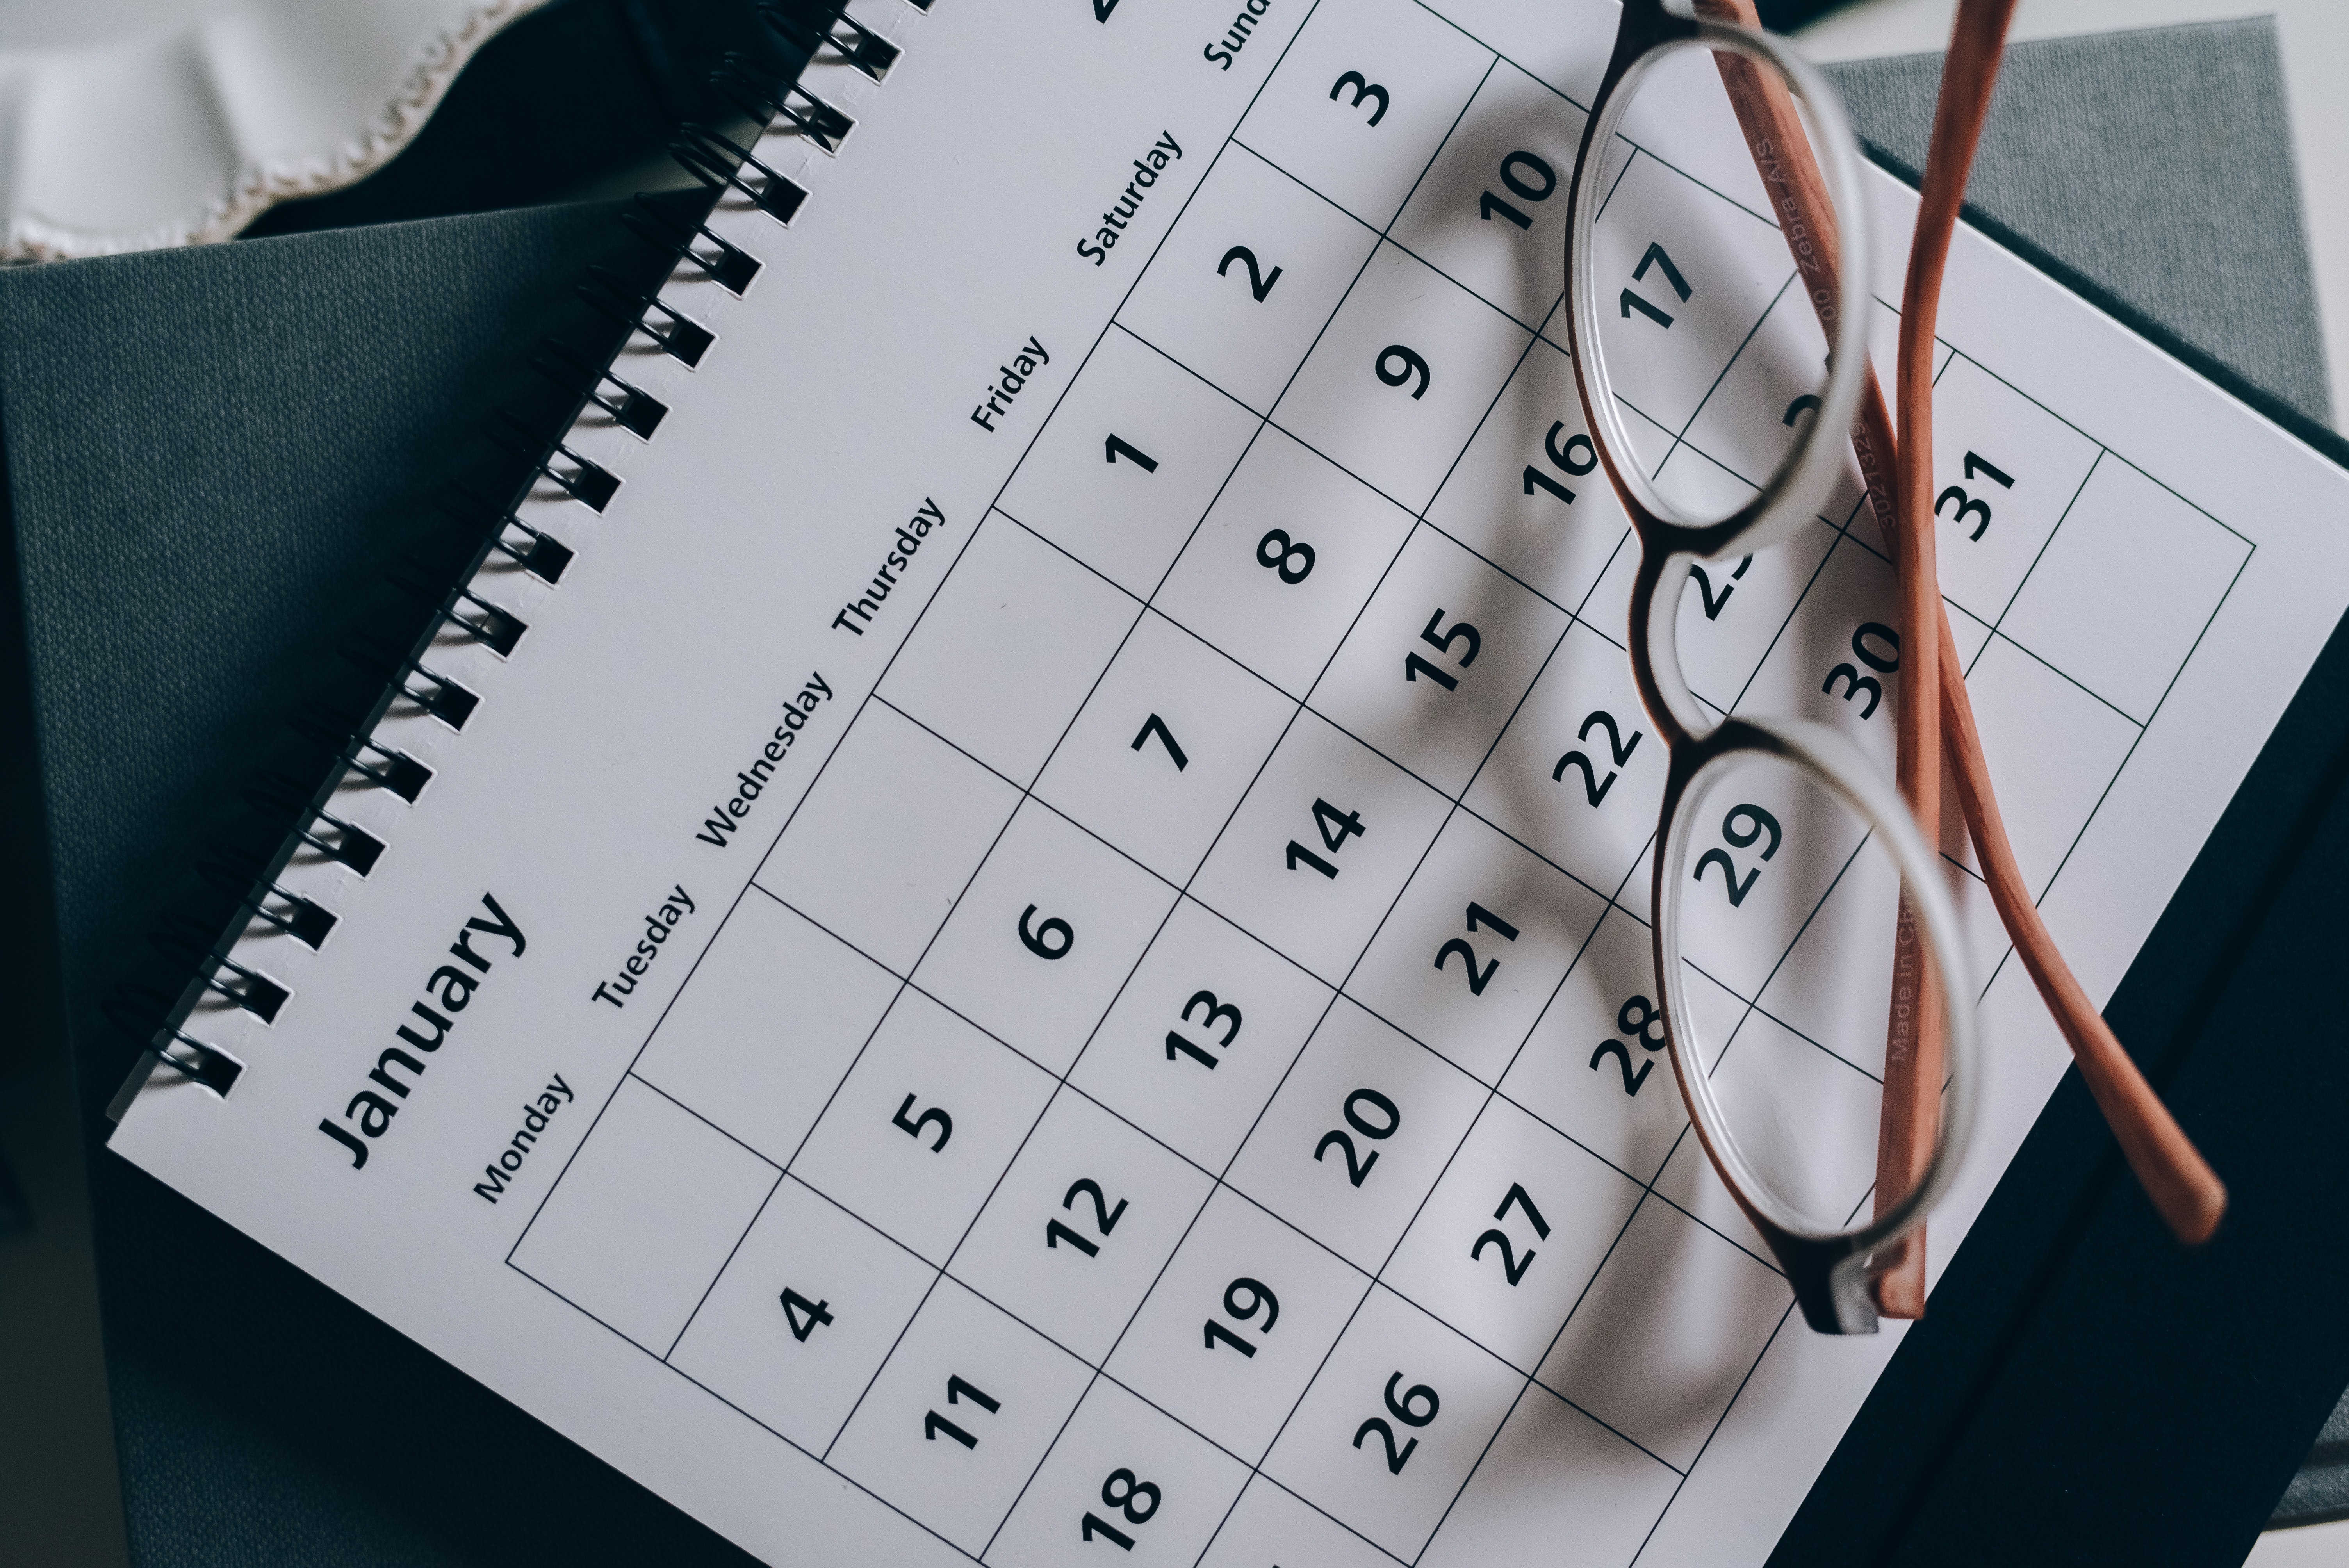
x: 1156, y: 726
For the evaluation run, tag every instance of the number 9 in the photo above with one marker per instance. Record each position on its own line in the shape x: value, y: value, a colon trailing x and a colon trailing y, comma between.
x: 1761, y: 821
x: 1259, y: 1298
x: 1409, y: 364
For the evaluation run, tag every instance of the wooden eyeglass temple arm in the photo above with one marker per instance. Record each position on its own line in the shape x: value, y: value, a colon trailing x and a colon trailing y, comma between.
x: 2184, y: 1189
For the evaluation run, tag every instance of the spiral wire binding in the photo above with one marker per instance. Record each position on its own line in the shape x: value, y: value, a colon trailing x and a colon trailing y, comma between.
x: 720, y: 164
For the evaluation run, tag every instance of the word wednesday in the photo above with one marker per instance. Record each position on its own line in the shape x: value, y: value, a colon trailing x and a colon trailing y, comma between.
x: 1008, y: 379
x: 1146, y: 174
x: 535, y: 1114
x: 909, y: 538
x: 725, y: 821
x: 452, y: 987
x: 658, y: 925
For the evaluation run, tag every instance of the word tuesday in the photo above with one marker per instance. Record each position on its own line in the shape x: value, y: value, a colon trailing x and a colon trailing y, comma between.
x: 1146, y: 174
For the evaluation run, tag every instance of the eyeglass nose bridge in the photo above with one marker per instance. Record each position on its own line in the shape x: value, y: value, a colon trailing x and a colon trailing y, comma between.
x: 1826, y: 1269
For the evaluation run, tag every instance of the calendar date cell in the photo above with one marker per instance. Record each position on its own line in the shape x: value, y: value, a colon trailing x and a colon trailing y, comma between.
x: 1438, y: 660
x: 1511, y: 1234
x: 1166, y: 747
x: 955, y: 1424
x: 1171, y: 1358
x: 1198, y: 304
x: 1394, y: 1421
x: 1045, y: 935
x: 1283, y: 563
x: 1123, y: 1483
x: 803, y: 1315
x: 1080, y: 1226
x: 1476, y: 946
x: 1356, y: 1135
x: 1362, y: 100
x: 1317, y: 852
x: 1124, y: 471
x: 923, y: 1124
x: 1201, y: 1034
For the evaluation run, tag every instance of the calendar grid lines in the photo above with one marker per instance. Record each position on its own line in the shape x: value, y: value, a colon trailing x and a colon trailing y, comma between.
x: 1015, y: 771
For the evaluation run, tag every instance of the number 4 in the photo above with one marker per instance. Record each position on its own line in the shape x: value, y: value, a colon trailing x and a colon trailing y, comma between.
x: 804, y: 1317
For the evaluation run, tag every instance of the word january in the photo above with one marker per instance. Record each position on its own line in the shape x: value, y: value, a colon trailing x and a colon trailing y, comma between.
x: 751, y: 782
x: 658, y: 925
x: 1146, y: 174
x: 453, y: 989
x: 1008, y: 379
x: 898, y: 562
x: 535, y: 1114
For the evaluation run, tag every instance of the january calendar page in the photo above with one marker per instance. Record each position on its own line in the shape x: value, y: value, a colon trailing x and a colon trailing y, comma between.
x: 1038, y: 954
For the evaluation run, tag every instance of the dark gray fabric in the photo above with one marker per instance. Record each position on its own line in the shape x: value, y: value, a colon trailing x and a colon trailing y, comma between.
x: 2159, y: 163
x: 210, y: 454
x: 2321, y: 1490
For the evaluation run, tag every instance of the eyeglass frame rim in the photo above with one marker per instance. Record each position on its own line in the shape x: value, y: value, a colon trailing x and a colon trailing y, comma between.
x: 1825, y: 1267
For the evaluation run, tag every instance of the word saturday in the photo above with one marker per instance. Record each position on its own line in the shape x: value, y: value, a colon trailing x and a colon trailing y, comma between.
x: 1146, y: 174
x: 658, y: 925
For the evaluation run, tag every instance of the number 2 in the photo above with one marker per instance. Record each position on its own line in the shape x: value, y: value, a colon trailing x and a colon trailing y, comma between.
x: 1258, y: 284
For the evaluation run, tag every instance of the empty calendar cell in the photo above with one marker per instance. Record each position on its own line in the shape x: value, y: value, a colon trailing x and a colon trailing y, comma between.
x: 774, y: 1012
x: 1682, y: 116
x: 1271, y: 1524
x: 1838, y: 660
x: 1727, y: 265
x: 953, y: 1427
x: 926, y: 1120
x: 1555, y: 1487
x: 1080, y: 1226
x: 888, y: 837
x: 2052, y: 749
x: 1693, y: 1188
x: 1394, y: 1423
x: 1438, y: 661
x: 1235, y: 1325
x: 2004, y: 469
x: 803, y: 1317
x: 1129, y: 461
x: 1008, y: 648
x: 1281, y: 565
x: 2126, y: 586
x: 1166, y: 747
x: 1806, y: 1118
x: 1201, y: 1034
x: 1835, y: 984
x: 1357, y: 1135
x: 1476, y: 946
x: 1491, y: 212
x: 1314, y: 857
x: 1504, y: 1245
x: 1750, y: 421
x: 1595, y: 1067
x: 1529, y: 495
x: 1248, y: 279
x: 1395, y: 386
x: 1050, y: 927
x: 1666, y: 1333
x: 1362, y: 99
x: 1121, y: 1475
x: 642, y: 1218
x: 1592, y: 816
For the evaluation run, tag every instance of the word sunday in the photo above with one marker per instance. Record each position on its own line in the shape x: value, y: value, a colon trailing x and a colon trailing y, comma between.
x: 1235, y: 39
x: 1146, y: 169
x: 453, y: 989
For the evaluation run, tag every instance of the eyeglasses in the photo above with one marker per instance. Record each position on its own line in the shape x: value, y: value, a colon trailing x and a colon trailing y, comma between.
x: 1697, y: 376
